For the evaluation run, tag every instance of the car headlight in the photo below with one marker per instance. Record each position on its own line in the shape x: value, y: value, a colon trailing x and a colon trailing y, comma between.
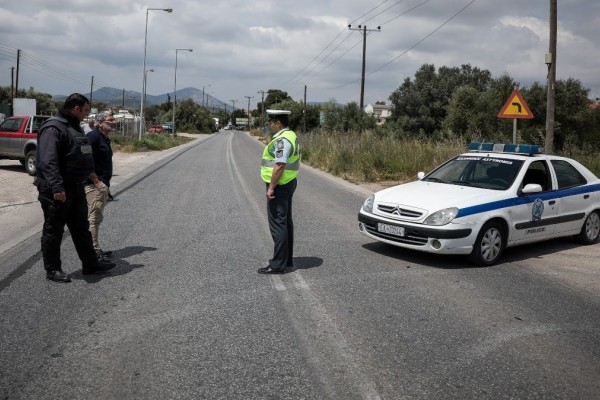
x: 442, y: 217
x: 368, y: 204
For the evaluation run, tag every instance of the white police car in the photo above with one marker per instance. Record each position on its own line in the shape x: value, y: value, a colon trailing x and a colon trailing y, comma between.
x: 479, y: 203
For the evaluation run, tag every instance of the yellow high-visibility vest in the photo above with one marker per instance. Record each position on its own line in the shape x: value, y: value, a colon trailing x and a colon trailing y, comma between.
x: 291, y: 167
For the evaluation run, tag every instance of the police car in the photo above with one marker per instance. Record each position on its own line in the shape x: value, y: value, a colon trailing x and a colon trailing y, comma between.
x: 481, y: 202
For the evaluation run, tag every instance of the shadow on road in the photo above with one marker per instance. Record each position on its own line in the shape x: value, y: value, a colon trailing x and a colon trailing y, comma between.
x: 510, y: 255
x: 123, y: 267
x: 307, y: 262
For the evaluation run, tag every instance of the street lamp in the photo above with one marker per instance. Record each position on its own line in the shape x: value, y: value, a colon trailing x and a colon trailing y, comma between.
x: 146, y: 80
x: 142, y: 124
x: 175, y: 88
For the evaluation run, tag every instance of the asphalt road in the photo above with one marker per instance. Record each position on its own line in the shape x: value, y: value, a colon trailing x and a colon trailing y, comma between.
x: 184, y: 315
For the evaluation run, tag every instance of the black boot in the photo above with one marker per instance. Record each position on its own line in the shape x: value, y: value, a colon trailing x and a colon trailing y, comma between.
x: 58, y: 276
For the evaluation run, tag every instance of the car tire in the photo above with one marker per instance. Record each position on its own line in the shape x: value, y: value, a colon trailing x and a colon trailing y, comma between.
x: 489, y: 245
x: 590, y: 229
x: 30, y: 163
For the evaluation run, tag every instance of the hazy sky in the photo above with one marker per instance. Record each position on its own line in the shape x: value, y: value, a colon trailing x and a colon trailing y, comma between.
x: 242, y: 47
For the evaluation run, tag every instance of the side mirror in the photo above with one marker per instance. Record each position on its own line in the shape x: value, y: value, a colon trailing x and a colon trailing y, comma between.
x: 531, y: 188
x: 421, y: 175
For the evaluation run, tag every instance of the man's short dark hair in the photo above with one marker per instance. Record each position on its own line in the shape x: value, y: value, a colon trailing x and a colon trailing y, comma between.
x: 74, y: 100
x: 284, y: 119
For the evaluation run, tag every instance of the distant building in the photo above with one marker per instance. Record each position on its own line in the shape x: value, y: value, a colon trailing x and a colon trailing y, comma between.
x: 379, y: 110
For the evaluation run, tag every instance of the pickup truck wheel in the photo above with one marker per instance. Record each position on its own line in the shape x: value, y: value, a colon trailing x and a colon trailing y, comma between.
x: 30, y: 162
x: 590, y: 229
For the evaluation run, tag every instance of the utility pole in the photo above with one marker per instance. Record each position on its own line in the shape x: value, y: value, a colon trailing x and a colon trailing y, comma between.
x: 12, y: 88
x: 248, y: 123
x: 551, y: 62
x: 91, y: 91
x: 262, y: 108
x: 232, y: 109
x: 362, y: 84
x: 304, y: 111
x: 17, y: 80
x: 12, y: 84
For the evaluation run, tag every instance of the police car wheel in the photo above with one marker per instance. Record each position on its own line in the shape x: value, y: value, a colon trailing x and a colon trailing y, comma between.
x: 30, y: 162
x: 590, y: 229
x: 489, y: 245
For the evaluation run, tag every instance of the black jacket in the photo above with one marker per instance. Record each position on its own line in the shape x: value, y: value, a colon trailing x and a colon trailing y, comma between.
x: 63, y: 157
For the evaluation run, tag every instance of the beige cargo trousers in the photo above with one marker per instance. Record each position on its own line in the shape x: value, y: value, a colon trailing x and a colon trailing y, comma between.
x: 97, y: 196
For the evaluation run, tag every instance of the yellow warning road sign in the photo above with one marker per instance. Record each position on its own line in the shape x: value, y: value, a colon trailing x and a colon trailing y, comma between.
x: 515, y: 107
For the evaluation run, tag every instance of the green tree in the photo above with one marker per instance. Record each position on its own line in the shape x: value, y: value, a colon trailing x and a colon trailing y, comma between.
x: 274, y: 98
x: 348, y: 118
x: 419, y: 107
x: 192, y: 118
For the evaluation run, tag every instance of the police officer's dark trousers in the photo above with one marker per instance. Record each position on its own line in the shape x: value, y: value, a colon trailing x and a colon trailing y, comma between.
x: 73, y: 213
x: 281, y: 225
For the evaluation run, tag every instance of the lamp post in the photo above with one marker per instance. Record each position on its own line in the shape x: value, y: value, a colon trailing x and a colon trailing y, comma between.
x: 175, y: 88
x: 142, y: 124
x: 146, y: 80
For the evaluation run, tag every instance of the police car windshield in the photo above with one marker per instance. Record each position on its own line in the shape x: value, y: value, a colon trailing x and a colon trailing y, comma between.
x: 477, y: 171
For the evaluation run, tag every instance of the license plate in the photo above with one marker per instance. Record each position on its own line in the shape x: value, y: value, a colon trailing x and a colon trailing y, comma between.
x: 390, y: 229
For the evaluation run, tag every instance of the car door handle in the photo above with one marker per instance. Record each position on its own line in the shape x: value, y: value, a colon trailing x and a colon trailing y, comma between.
x: 551, y: 202
x: 586, y: 196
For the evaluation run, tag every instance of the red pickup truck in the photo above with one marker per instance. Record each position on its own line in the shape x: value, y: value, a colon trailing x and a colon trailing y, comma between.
x: 18, y: 139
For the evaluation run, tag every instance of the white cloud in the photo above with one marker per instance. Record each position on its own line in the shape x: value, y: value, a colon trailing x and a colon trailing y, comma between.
x: 241, y: 47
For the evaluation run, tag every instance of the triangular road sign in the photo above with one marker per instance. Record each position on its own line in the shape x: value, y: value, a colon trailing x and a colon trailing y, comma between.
x: 515, y: 107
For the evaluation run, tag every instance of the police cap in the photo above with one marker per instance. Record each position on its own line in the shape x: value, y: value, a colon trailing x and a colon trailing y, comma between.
x: 278, y: 113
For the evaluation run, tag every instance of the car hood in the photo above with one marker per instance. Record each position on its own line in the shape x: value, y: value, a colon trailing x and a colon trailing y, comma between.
x: 421, y: 198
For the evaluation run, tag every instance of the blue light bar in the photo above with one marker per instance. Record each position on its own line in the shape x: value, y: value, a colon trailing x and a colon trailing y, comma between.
x: 529, y: 149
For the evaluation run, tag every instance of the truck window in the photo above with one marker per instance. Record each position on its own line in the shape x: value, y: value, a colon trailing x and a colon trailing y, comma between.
x: 37, y: 123
x: 11, y: 125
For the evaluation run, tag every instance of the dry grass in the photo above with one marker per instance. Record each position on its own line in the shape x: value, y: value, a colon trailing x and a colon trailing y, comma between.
x: 368, y: 158
x: 381, y: 159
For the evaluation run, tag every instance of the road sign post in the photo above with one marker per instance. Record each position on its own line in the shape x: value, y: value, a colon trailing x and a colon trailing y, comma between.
x: 516, y: 108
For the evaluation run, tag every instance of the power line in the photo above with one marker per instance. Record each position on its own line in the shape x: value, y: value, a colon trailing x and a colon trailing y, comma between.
x: 411, y: 47
x: 356, y: 44
x: 329, y: 44
x: 381, y: 12
x: 8, y: 53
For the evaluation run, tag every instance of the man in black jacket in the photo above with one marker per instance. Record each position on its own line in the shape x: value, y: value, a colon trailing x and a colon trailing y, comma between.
x: 64, y: 162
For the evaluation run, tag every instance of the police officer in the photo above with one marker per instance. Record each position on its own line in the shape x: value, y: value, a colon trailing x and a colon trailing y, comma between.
x: 279, y: 169
x: 64, y: 161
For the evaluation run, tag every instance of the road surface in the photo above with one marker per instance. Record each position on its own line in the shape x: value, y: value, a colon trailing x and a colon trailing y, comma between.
x: 185, y: 315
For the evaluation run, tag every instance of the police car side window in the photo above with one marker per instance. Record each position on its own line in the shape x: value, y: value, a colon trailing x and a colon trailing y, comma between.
x: 567, y: 175
x: 537, y: 173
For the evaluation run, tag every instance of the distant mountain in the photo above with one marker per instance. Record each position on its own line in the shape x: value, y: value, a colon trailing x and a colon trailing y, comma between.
x: 131, y: 99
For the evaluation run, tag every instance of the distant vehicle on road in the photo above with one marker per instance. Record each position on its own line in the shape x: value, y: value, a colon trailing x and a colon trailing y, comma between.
x: 18, y: 139
x: 156, y: 129
x: 481, y: 202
